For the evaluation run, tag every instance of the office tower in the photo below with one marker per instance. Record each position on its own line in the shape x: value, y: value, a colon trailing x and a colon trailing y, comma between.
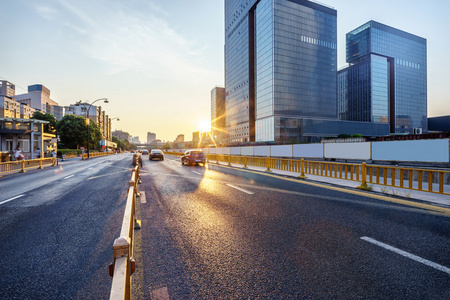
x: 218, y: 114
x: 280, y: 67
x: 151, y: 137
x: 386, y: 80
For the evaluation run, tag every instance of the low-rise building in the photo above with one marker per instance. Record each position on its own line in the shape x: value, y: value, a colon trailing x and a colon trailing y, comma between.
x: 24, y: 133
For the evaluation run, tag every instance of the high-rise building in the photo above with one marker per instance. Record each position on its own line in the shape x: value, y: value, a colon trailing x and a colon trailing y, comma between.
x: 218, y: 114
x: 386, y: 80
x: 7, y: 89
x: 151, y: 137
x: 121, y: 135
x: 280, y: 67
x: 38, y: 97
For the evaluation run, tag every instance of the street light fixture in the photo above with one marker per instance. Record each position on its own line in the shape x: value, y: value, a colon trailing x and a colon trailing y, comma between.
x: 87, y: 118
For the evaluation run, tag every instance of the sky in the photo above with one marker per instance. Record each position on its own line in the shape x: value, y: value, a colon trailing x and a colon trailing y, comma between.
x: 158, y: 60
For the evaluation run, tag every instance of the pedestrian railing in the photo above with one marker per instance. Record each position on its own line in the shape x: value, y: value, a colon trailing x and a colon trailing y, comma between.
x: 95, y: 154
x: 123, y: 265
x: 23, y: 165
x: 174, y: 153
x: 419, y: 179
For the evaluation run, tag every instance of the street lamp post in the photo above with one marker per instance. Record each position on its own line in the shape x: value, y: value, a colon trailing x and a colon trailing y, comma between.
x: 87, y: 119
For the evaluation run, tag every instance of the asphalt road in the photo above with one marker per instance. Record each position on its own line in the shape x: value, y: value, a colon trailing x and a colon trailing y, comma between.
x: 213, y: 233
x: 57, y: 227
x: 220, y: 233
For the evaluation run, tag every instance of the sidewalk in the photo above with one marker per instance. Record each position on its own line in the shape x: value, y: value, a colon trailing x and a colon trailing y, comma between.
x: 432, y: 198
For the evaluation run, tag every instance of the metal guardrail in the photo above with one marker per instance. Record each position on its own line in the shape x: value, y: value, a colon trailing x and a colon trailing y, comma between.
x: 123, y: 265
x: 22, y: 165
x: 418, y: 179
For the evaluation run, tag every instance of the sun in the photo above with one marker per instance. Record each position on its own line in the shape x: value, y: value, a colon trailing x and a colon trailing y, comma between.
x: 204, y: 126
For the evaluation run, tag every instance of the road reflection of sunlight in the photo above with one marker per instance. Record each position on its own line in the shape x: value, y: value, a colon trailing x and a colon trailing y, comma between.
x: 59, y: 170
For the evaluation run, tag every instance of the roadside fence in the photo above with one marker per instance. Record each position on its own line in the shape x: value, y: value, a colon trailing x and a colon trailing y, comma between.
x: 96, y: 154
x: 123, y: 265
x: 417, y: 179
x: 23, y: 165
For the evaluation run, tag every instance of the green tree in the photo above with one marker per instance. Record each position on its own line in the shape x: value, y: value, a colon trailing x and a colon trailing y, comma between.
x: 50, y: 127
x: 166, y: 146
x: 72, y: 131
x: 122, y: 144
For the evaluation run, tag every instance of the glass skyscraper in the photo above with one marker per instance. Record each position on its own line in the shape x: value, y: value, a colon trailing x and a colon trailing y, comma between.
x: 280, y: 67
x: 386, y: 81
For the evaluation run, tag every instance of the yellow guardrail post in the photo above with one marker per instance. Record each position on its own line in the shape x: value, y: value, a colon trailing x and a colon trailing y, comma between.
x: 268, y: 164
x: 138, y: 176
x: 302, y: 169
x: 40, y: 163
x: 22, y: 166
x: 229, y: 159
x: 363, y: 185
x: 217, y: 158
x: 122, y: 263
x: 245, y: 162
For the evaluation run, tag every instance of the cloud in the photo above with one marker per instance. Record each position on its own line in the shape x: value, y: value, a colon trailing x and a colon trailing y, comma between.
x: 133, y: 36
x: 47, y: 12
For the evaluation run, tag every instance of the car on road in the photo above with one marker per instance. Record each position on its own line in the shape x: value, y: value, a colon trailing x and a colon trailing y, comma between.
x: 156, y: 153
x: 145, y: 152
x: 193, y: 157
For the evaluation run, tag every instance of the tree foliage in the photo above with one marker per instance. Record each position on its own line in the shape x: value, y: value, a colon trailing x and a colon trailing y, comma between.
x: 166, y: 146
x: 72, y: 131
x: 121, y: 144
x: 50, y: 127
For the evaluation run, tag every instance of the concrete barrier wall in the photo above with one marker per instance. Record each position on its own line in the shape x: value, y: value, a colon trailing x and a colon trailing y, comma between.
x: 281, y: 151
x: 308, y: 150
x: 347, y: 150
x: 420, y: 150
x: 262, y: 150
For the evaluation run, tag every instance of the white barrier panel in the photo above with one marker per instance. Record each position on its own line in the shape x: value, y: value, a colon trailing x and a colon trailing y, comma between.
x: 308, y: 150
x: 226, y: 151
x: 249, y: 151
x: 281, y: 151
x: 235, y: 151
x: 347, y: 150
x: 420, y: 150
x: 262, y: 151
x: 213, y: 150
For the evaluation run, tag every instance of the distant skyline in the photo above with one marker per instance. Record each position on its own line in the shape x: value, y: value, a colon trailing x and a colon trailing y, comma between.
x: 157, y: 61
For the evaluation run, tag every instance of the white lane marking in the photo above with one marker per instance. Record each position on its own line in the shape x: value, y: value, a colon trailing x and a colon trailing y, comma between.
x: 90, y: 168
x: 196, y: 172
x: 143, y: 199
x: 69, y: 176
x: 242, y: 190
x: 10, y: 199
x: 407, y: 254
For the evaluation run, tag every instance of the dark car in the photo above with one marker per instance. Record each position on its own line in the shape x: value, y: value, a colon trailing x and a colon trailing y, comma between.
x: 193, y: 157
x: 156, y: 153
